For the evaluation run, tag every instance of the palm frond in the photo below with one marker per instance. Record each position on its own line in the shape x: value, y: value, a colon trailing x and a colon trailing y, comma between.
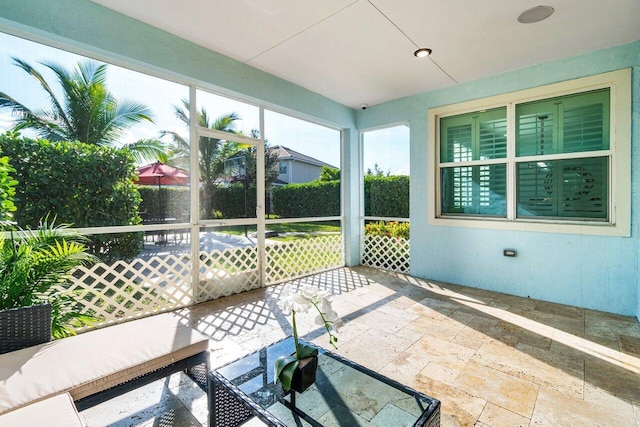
x: 147, y: 150
x: 55, y: 103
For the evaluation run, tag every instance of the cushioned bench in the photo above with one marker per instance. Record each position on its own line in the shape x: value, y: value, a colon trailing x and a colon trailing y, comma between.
x: 56, y: 411
x: 96, y: 365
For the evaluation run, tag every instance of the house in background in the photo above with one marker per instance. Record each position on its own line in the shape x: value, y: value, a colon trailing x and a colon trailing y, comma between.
x: 296, y: 168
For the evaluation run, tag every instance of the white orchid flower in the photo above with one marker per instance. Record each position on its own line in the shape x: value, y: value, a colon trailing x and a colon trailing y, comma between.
x: 291, y: 302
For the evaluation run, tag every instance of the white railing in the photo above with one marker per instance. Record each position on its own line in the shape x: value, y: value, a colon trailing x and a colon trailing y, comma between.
x: 223, y: 273
x: 302, y: 257
x: 387, y: 253
x: 124, y: 290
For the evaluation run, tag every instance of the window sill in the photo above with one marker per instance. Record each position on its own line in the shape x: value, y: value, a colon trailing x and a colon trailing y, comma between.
x: 541, y: 226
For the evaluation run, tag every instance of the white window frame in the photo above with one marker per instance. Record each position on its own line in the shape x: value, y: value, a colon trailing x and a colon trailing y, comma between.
x: 619, y: 223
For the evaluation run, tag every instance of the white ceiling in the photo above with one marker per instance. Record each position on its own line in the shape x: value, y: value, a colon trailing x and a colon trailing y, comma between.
x: 361, y: 51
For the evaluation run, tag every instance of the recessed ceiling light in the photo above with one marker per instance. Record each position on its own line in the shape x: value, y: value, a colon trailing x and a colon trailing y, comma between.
x: 535, y: 14
x: 422, y: 52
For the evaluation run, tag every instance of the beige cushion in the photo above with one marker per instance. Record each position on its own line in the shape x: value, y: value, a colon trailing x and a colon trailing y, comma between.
x: 57, y: 411
x: 95, y: 360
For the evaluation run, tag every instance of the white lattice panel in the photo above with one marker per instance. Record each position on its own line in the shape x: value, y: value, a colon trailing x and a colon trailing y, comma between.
x: 387, y: 253
x: 290, y: 260
x: 227, y: 272
x: 123, y: 290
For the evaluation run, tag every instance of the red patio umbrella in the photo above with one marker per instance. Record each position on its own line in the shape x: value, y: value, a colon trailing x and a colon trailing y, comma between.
x: 159, y: 173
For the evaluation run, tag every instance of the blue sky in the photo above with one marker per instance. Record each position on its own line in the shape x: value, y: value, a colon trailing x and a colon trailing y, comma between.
x: 389, y: 148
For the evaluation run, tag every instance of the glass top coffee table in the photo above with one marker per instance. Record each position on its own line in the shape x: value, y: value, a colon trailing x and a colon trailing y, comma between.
x: 344, y: 394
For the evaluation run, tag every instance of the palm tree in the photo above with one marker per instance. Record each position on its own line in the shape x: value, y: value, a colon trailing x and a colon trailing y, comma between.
x: 86, y: 112
x: 213, y: 151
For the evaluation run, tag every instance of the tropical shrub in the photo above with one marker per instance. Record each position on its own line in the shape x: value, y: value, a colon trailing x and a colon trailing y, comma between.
x: 83, y: 185
x: 388, y: 228
x: 37, y: 266
x: 7, y: 190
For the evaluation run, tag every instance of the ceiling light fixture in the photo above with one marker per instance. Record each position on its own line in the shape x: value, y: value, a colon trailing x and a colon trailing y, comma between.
x: 423, y: 52
x: 535, y: 14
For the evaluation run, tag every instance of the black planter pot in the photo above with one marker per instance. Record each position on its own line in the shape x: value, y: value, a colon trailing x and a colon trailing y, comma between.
x: 305, y: 374
x: 24, y: 327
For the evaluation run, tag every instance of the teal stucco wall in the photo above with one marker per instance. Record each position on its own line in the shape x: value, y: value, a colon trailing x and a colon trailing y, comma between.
x: 582, y: 270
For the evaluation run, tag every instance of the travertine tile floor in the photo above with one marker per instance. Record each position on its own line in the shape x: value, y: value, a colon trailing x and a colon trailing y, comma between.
x: 491, y: 359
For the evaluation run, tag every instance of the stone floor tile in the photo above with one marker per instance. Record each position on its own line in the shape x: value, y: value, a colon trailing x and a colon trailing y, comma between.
x: 584, y: 346
x: 514, y: 301
x: 467, y: 341
x: 433, y: 308
x: 527, y: 324
x: 411, y: 335
x: 495, y: 416
x: 569, y: 325
x: 378, y: 319
x: 458, y: 407
x: 475, y: 294
x: 603, y: 398
x: 481, y: 323
x: 558, y: 410
x: 629, y: 345
x: 445, y: 372
x: 598, y: 323
x: 535, y: 340
x: 484, y: 355
x: 462, y: 317
x: 560, y: 310
x: 430, y: 357
x: 373, y: 350
x: 534, y: 366
x: 497, y: 387
x: 445, y: 329
x: 621, y: 381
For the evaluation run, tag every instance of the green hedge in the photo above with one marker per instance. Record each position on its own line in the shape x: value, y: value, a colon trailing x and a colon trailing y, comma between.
x: 80, y: 184
x: 313, y: 199
x: 227, y: 202
x: 386, y: 196
x: 166, y: 202
x: 230, y: 201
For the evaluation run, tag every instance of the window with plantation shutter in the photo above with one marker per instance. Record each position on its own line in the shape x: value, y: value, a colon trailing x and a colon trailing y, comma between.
x: 473, y: 151
x: 550, y: 158
x: 561, y: 177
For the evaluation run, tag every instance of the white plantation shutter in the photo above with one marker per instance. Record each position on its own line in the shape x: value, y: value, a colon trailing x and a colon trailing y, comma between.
x: 565, y: 188
x: 568, y: 124
x: 475, y: 188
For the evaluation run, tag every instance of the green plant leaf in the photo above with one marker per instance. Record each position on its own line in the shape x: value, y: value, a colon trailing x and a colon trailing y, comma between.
x: 285, y: 366
x: 305, y: 350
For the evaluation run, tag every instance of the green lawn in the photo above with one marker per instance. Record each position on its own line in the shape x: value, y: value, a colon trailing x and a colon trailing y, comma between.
x: 290, y: 227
